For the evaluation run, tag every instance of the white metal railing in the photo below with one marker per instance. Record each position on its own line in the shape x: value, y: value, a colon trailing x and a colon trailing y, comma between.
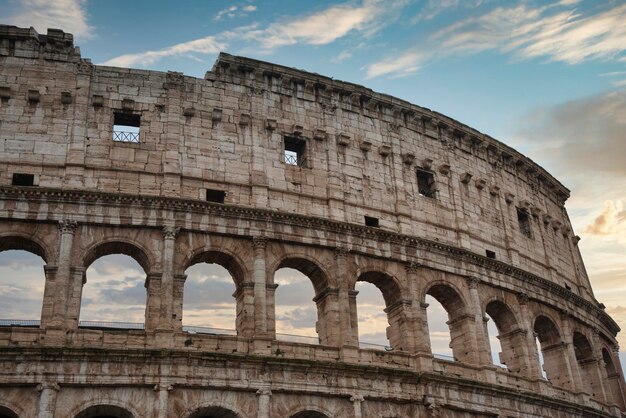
x: 124, y: 136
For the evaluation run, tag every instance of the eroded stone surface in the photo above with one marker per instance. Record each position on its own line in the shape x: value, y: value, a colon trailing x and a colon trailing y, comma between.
x: 441, y: 200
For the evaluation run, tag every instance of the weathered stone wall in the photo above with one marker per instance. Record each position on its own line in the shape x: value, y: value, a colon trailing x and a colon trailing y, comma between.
x: 94, y: 196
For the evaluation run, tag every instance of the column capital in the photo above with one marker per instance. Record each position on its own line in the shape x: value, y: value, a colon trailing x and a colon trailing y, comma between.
x: 357, y: 398
x: 259, y: 242
x: 473, y: 282
x: 68, y: 226
x: 412, y: 266
x: 522, y: 298
x: 170, y: 232
x: 264, y: 392
x: 163, y: 386
x: 48, y: 385
x: 341, y: 252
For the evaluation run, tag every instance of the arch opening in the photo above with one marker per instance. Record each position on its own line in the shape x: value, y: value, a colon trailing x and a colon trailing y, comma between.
x: 7, y: 413
x: 213, y: 412
x: 454, y: 316
x: 297, y: 316
x: 105, y: 411
x: 22, y: 284
x: 309, y: 414
x: 210, y: 301
x: 385, y: 324
x: 438, y: 329
x: 552, y: 351
x: 113, y: 293
x: 506, y: 339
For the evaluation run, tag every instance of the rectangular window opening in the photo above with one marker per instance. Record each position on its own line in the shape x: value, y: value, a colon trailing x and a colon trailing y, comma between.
x: 524, y: 223
x: 371, y: 221
x: 126, y: 127
x: 215, y: 196
x: 426, y: 183
x: 490, y: 254
x: 20, y: 179
x: 295, y: 152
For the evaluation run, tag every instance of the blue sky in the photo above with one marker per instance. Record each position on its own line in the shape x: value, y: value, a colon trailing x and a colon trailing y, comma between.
x: 546, y: 77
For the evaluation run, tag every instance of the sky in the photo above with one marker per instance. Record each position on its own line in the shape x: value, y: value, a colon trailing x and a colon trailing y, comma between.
x: 545, y: 77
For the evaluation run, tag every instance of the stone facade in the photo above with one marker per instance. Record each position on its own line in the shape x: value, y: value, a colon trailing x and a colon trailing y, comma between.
x: 258, y: 167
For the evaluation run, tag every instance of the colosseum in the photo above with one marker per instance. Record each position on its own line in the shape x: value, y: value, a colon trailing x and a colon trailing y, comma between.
x: 257, y: 167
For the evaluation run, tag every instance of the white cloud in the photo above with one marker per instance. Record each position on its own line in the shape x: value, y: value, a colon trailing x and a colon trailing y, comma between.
x: 68, y: 15
x: 558, y: 32
x: 207, y: 45
x: 234, y: 11
x: 608, y: 221
x: 249, y: 8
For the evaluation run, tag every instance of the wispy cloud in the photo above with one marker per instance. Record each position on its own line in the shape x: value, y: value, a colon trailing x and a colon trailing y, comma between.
x: 558, y: 32
x: 207, y: 45
x: 608, y: 221
x: 319, y: 28
x: 69, y: 15
x: 234, y: 11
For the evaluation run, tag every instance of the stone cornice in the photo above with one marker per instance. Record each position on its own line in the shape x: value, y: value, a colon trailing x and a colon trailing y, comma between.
x: 342, y: 228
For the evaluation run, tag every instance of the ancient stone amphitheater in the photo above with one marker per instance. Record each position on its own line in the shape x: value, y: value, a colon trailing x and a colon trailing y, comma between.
x: 258, y: 167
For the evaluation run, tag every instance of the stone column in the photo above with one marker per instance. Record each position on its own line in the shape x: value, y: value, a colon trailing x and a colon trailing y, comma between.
x: 67, y: 228
x: 419, y: 320
x: 356, y: 403
x: 75, y: 289
x: 260, y: 291
x: 571, y: 363
x: 400, y: 330
x: 154, y: 302
x: 177, y: 301
x: 47, y: 399
x: 47, y: 309
x: 534, y: 368
x: 166, y: 320
x: 270, y: 291
x: 264, y: 395
x: 597, y: 369
x: 482, y: 340
x: 347, y: 334
x: 163, y: 397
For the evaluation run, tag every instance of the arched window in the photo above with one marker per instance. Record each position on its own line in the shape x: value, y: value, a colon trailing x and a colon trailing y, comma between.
x: 586, y: 365
x: 22, y: 282
x: 213, y: 412
x: 210, y: 295
x: 7, y: 413
x: 372, y: 319
x: 296, y: 314
x: 508, y: 342
x: 553, y: 352
x: 309, y: 414
x: 438, y: 330
x: 300, y: 310
x: 400, y: 337
x: 114, y: 293
x: 458, y: 320
x: 616, y: 394
x: 105, y: 411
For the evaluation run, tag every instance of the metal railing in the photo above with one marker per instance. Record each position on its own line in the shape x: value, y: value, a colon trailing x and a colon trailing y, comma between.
x: 294, y: 159
x: 209, y: 330
x: 123, y: 136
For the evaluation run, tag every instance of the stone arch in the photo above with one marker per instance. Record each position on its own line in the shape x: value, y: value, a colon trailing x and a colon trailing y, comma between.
x: 133, y: 249
x: 6, y: 412
x: 105, y: 411
x: 225, y: 258
x: 396, y: 308
x: 238, y: 272
x: 17, y: 241
x: 512, y: 338
x: 113, y: 246
x: 555, y: 362
x: 309, y: 414
x: 309, y: 266
x: 615, y: 388
x: 588, y: 365
x: 459, y: 320
x: 21, y: 242
x: 213, y: 412
x: 325, y: 293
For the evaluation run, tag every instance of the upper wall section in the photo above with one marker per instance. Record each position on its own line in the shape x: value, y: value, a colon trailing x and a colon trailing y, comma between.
x: 279, y: 138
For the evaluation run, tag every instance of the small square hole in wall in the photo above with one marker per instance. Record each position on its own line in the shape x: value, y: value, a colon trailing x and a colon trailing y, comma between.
x: 490, y: 254
x: 295, y: 152
x: 426, y: 183
x: 20, y: 179
x: 215, y: 196
x: 371, y: 221
x: 524, y: 223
